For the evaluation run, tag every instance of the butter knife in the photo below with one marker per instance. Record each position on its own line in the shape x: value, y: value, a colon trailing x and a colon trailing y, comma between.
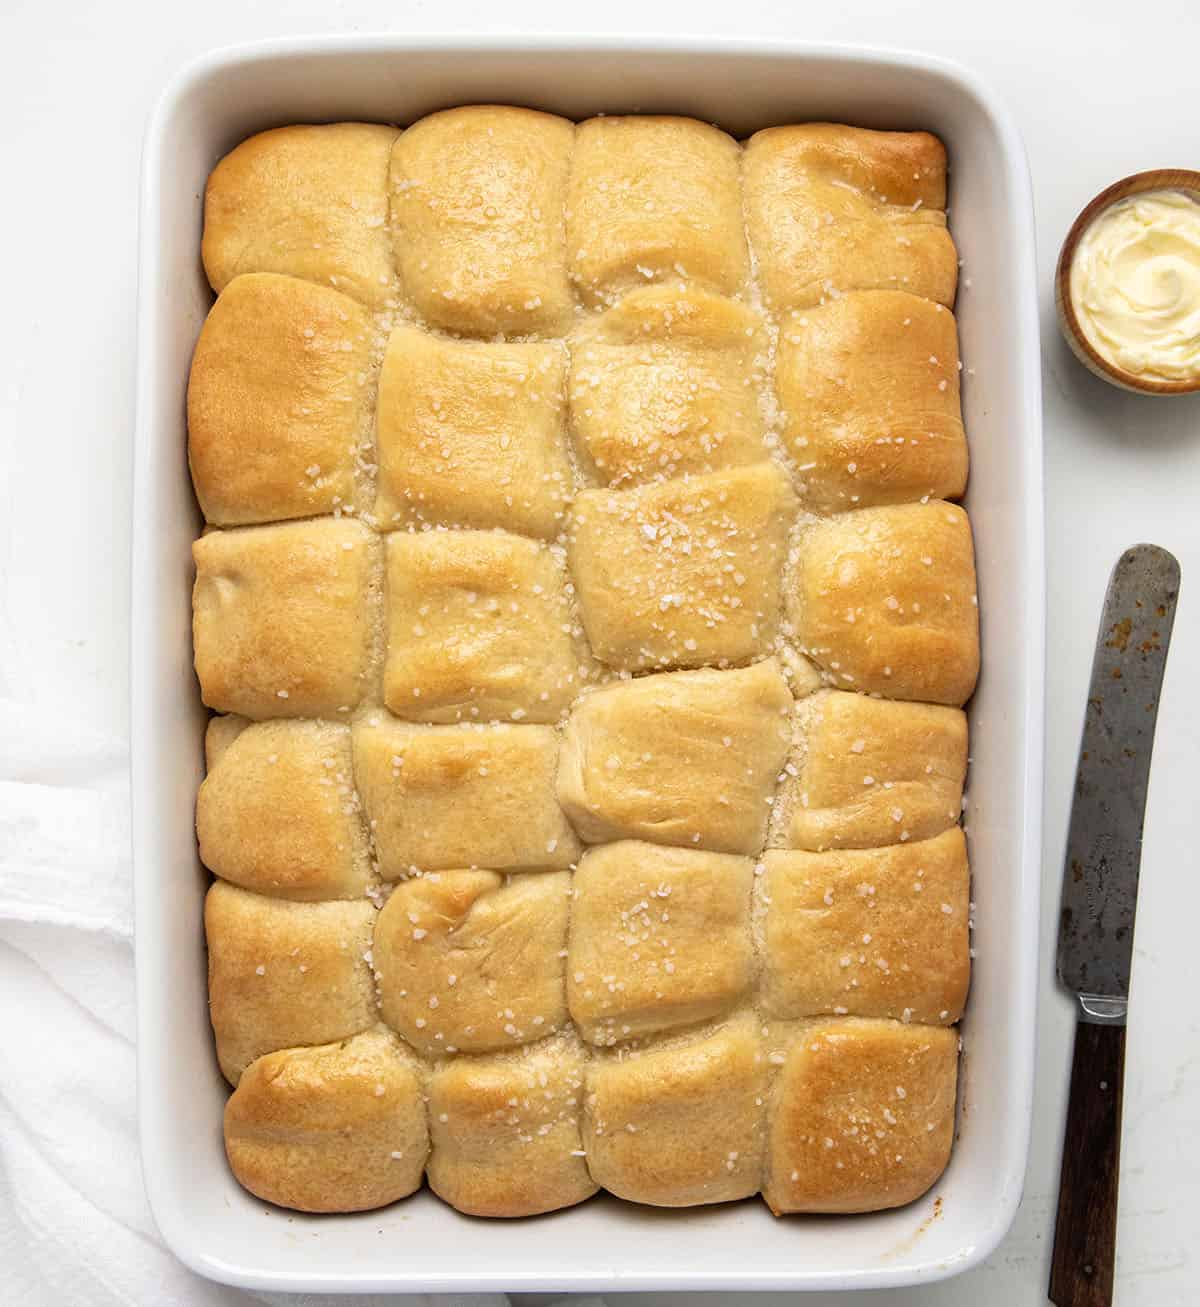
x: 1099, y: 898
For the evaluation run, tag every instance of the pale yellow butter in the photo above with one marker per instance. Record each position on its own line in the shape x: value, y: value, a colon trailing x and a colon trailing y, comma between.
x: 1135, y: 285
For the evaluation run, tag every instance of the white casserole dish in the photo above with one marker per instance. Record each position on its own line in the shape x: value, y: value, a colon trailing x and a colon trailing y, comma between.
x: 213, y: 1225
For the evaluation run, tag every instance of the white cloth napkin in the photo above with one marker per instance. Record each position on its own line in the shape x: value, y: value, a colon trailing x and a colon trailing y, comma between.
x: 75, y: 1227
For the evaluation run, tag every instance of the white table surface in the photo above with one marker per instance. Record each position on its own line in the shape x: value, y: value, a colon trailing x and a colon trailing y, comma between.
x: 1099, y: 88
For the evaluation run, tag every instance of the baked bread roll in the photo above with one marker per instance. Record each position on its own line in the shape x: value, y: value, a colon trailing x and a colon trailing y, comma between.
x: 884, y: 601
x: 336, y: 1128
x: 279, y: 402
x: 686, y: 758
x: 466, y: 962
x: 869, y: 932
x: 588, y: 629
x: 654, y: 199
x: 870, y: 772
x: 479, y: 629
x: 282, y: 974
x: 307, y: 202
x: 660, y: 938
x: 278, y: 812
x: 861, y: 1115
x: 667, y: 382
x: 506, y: 1133
x: 446, y: 797
x: 831, y: 209
x: 682, y: 573
x: 282, y: 617
x: 869, y: 387
x: 472, y: 434
x: 682, y: 1122
x: 477, y: 198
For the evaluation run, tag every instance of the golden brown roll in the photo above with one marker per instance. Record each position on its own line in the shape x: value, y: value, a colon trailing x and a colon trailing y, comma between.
x: 336, y: 1128
x: 869, y: 932
x: 654, y: 198
x: 478, y: 629
x: 505, y: 1129
x: 868, y: 383
x: 477, y: 200
x: 682, y: 573
x: 278, y: 812
x: 282, y: 974
x: 308, y: 202
x: 441, y: 798
x: 668, y: 381
x: 883, y: 600
x: 281, y: 617
x: 472, y: 434
x: 660, y: 938
x: 861, y: 1116
x: 469, y: 963
x: 686, y: 758
x: 279, y: 401
x: 872, y: 771
x: 831, y: 209
x: 683, y: 1122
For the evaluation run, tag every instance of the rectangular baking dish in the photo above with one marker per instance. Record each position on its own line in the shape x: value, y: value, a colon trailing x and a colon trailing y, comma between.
x: 422, y: 1245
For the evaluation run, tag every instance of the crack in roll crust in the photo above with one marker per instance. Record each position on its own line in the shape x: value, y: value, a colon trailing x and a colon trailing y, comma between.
x: 589, y: 634
x: 454, y: 965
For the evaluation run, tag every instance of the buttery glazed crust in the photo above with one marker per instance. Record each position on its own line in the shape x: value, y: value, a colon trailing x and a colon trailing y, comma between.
x: 869, y: 387
x: 308, y: 202
x: 652, y: 199
x: 477, y: 201
x: 588, y: 630
x: 861, y: 1116
x: 883, y: 600
x: 870, y: 932
x: 336, y: 1128
x: 831, y: 209
x: 279, y: 401
x: 668, y: 382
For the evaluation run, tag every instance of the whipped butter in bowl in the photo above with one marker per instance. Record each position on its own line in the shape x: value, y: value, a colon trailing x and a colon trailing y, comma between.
x: 1129, y: 283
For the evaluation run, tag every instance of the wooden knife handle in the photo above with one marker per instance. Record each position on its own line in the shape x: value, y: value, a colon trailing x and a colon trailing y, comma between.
x: 1085, y: 1232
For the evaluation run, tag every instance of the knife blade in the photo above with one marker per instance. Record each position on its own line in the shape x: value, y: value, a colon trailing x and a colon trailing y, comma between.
x: 1099, y: 901
x: 1104, y: 842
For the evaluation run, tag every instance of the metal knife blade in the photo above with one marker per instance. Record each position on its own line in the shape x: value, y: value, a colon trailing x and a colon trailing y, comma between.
x: 1104, y: 844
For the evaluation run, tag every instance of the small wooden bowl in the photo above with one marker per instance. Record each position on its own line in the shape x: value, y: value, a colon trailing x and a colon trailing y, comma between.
x: 1157, y: 179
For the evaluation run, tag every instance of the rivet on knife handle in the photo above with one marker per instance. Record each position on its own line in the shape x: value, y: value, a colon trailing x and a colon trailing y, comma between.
x: 1099, y: 899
